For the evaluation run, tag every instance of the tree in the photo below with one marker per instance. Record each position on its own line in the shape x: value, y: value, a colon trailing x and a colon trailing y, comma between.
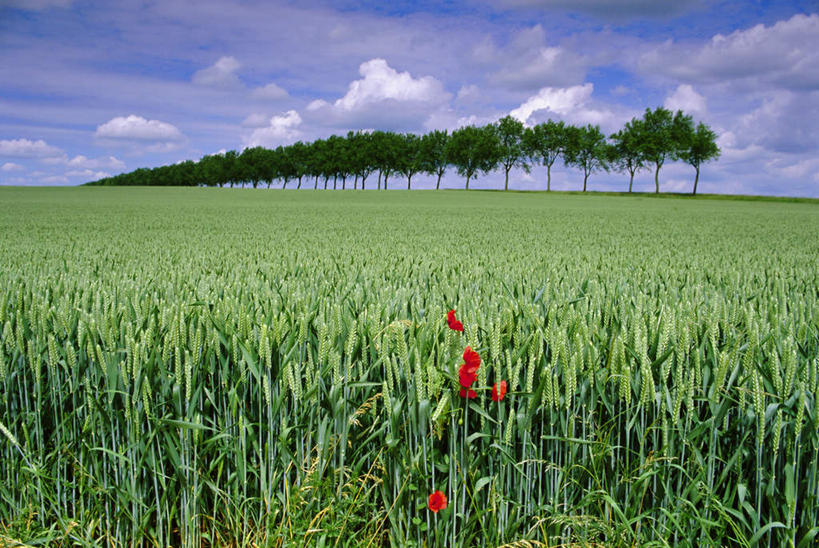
x: 511, y: 152
x: 627, y: 154
x: 359, y: 148
x: 662, y: 138
x: 409, y: 157
x: 545, y: 142
x: 434, y: 160
x: 700, y: 146
x: 472, y: 149
x: 298, y: 154
x: 588, y: 150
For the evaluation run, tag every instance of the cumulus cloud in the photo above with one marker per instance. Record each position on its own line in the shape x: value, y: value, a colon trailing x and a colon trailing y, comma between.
x: 270, y: 91
x: 382, y: 98
x: 574, y: 105
x: 282, y: 129
x: 221, y: 74
x: 11, y: 166
x: 138, y: 129
x: 25, y: 148
x: 87, y: 174
x: 255, y: 119
x: 83, y: 163
x: 544, y: 66
x: 784, y: 122
x: 779, y: 54
x: 686, y: 99
x: 529, y: 63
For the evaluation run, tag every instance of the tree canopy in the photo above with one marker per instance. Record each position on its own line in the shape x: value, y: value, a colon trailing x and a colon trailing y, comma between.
x: 659, y: 136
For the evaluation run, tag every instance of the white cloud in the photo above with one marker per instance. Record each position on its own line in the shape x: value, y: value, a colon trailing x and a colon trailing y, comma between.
x: 88, y: 174
x: 137, y: 128
x: 270, y: 91
x: 11, y: 166
x: 380, y: 81
x: 255, y: 119
x: 221, y: 74
x: 109, y: 162
x: 781, y: 54
x: 685, y: 98
x: 557, y: 100
x: 383, y: 98
x: 573, y: 105
x: 281, y: 129
x: 25, y: 148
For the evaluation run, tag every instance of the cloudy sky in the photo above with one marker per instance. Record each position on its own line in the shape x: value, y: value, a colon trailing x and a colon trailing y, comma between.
x: 93, y: 88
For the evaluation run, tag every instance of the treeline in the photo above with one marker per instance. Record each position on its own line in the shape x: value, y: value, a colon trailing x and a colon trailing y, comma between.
x: 645, y: 143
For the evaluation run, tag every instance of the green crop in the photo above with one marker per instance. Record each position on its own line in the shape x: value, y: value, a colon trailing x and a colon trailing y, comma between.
x: 188, y: 366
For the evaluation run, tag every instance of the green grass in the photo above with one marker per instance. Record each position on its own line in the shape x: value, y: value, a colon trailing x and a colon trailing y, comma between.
x: 181, y: 366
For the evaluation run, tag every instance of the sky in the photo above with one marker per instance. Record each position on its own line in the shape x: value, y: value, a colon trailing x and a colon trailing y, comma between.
x: 94, y: 88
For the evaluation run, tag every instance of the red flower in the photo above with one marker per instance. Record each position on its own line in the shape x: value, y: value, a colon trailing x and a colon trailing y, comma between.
x: 466, y: 378
x: 437, y: 501
x: 453, y: 324
x: 469, y: 372
x: 472, y: 361
x: 498, y: 391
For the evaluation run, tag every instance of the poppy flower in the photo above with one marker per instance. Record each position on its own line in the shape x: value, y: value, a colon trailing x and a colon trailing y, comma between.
x: 453, y: 324
x: 437, y: 501
x: 472, y: 361
x: 468, y: 393
x: 466, y: 378
x: 498, y: 391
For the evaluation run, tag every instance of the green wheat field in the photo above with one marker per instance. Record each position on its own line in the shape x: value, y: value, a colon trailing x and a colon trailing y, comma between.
x: 194, y: 367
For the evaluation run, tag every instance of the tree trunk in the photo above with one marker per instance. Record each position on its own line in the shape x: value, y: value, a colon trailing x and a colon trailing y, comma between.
x: 386, y: 176
x: 327, y: 178
x: 355, y: 183
x: 343, y: 182
x: 585, y: 180
x: 438, y: 184
x: 696, y: 180
x: 315, y: 185
x: 506, y: 184
x: 335, y: 178
x: 284, y: 185
x: 631, y: 182
x: 548, y: 177
x: 299, y: 185
x: 379, y: 180
x: 363, y: 178
x: 409, y: 182
x: 657, y: 180
x: 467, y: 181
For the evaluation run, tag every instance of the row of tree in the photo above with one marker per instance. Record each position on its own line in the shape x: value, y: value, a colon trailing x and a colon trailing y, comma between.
x: 649, y: 142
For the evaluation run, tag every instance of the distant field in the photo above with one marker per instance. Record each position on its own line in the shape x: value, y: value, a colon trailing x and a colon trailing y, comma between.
x: 204, y: 365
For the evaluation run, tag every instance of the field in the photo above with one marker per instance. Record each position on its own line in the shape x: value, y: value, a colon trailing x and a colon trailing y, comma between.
x: 206, y: 366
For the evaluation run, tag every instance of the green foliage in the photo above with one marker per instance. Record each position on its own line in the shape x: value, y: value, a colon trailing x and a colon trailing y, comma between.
x: 183, y: 368
x: 474, y: 149
x: 512, y: 152
x: 586, y: 148
x: 545, y: 142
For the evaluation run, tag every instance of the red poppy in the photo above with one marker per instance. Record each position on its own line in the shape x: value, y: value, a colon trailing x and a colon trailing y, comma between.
x: 437, y: 501
x: 498, y: 391
x: 466, y: 378
x: 453, y: 324
x: 468, y: 393
x: 472, y: 361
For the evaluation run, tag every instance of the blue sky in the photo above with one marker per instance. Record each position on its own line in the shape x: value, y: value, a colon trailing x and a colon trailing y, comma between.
x: 89, y: 88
